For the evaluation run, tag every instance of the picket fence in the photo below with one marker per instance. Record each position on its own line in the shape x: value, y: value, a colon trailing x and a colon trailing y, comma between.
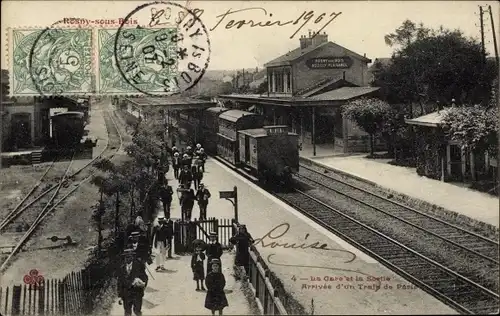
x: 72, y: 295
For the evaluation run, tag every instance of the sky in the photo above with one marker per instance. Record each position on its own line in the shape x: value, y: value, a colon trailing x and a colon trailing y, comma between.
x: 360, y: 26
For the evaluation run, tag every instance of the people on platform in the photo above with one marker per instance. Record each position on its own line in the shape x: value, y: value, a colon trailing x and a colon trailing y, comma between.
x: 214, y: 250
x: 138, y: 241
x: 174, y: 150
x: 196, y: 172
x: 188, y: 160
x: 137, y: 225
x: 203, y: 156
x: 187, y: 204
x: 166, y: 193
x: 215, y: 299
x: 203, y: 196
x: 242, y: 240
x: 132, y: 281
x: 185, y: 177
x: 162, y: 236
x: 176, y: 164
x: 198, y: 268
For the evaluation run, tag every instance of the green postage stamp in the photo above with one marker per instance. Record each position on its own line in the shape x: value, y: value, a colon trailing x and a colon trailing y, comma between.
x: 49, y: 62
x: 135, y: 57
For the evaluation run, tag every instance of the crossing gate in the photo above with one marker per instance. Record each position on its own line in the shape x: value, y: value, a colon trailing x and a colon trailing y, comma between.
x: 185, y: 232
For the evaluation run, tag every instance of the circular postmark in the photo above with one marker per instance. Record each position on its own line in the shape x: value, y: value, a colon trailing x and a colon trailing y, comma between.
x: 60, y: 60
x: 167, y: 54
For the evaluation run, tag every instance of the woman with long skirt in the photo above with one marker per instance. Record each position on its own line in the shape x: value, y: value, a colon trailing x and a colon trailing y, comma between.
x: 216, y: 298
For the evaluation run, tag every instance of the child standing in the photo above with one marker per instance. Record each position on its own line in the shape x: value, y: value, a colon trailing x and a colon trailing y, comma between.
x: 197, y: 266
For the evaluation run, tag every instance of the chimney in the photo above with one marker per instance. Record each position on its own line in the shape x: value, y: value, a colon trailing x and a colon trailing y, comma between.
x: 319, y: 39
x: 303, y: 42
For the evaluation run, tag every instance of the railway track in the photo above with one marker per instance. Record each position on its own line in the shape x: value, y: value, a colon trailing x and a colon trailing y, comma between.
x: 478, y: 250
x: 479, y: 245
x: 114, y: 145
x: 54, y: 172
x: 452, y: 288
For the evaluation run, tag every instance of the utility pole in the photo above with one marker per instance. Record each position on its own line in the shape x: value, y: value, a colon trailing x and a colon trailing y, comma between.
x: 481, y: 12
x: 494, y: 36
x: 117, y: 212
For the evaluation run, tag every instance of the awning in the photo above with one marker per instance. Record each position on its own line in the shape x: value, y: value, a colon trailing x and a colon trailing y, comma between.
x: 228, y: 138
x: 344, y: 94
x: 433, y: 119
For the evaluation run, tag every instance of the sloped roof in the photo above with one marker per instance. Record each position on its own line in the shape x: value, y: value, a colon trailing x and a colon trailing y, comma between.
x: 345, y: 93
x: 433, y: 119
x: 216, y: 109
x: 234, y: 115
x: 169, y: 100
x: 255, y: 132
x: 287, y: 58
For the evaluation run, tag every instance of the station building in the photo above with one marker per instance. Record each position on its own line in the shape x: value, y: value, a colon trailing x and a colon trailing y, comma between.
x: 26, y: 121
x: 306, y: 90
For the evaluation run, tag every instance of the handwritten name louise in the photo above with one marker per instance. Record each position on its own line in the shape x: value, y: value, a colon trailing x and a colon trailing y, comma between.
x: 160, y: 16
x: 271, y: 240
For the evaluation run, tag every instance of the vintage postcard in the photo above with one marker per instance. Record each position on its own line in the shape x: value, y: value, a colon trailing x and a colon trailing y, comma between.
x: 249, y: 157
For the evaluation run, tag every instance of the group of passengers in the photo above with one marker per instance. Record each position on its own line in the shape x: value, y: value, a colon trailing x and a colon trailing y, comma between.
x: 189, y: 166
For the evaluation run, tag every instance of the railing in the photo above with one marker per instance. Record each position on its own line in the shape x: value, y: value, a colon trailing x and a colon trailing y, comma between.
x: 267, y: 296
x: 268, y: 289
x: 186, y: 232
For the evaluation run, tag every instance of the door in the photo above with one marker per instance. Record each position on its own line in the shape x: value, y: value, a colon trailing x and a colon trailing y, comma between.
x: 456, y: 163
x: 21, y: 130
x: 242, y: 150
x: 247, y: 149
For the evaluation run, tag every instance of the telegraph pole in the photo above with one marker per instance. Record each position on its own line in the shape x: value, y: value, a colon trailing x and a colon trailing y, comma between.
x: 494, y: 36
x: 481, y: 12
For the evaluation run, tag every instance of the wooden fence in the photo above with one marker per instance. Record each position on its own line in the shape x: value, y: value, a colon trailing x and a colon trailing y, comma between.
x: 71, y: 295
x: 186, y: 232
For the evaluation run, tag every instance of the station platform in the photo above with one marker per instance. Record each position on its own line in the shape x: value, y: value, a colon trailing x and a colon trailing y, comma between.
x: 172, y: 292
x: 475, y: 208
x: 261, y: 213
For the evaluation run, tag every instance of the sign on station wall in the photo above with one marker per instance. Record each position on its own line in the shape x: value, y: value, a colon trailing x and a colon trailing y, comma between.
x: 329, y: 62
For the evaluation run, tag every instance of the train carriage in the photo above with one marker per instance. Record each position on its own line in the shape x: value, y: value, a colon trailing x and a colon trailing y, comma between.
x: 230, y: 122
x: 67, y: 128
x: 270, y: 153
x: 210, y: 127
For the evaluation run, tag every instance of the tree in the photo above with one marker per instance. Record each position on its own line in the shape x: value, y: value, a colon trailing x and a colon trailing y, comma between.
x: 474, y: 127
x: 407, y: 33
x: 434, y: 65
x: 369, y: 114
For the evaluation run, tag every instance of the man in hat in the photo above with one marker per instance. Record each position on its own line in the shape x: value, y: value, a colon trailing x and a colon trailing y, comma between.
x: 131, y: 283
x: 138, y: 242
x: 166, y: 193
x: 214, y: 249
x: 162, y: 236
x: 185, y: 177
x: 187, y: 204
x: 176, y: 164
x: 202, y: 196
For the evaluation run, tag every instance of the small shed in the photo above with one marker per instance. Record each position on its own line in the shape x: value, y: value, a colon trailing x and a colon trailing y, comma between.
x: 440, y: 158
